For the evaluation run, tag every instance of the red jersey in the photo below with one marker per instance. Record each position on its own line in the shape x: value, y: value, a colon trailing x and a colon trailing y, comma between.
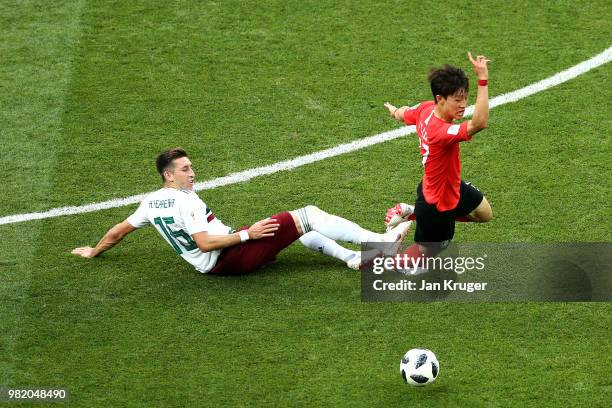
x: 439, y: 142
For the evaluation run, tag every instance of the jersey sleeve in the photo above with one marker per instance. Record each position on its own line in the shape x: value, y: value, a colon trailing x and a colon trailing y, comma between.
x: 194, y: 213
x: 139, y: 218
x: 410, y: 115
x: 454, y: 133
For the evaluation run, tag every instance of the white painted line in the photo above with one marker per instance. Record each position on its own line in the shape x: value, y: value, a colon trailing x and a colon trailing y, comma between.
x: 233, y: 178
x: 303, y: 160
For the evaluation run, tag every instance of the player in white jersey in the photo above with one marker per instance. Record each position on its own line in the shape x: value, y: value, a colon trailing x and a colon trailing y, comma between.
x: 196, y: 234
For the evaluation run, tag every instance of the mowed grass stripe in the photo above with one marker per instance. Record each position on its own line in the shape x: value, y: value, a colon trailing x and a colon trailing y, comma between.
x: 37, y: 42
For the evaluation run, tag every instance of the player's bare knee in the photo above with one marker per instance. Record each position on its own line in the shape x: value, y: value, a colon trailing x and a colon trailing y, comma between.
x: 484, y: 213
x: 485, y: 217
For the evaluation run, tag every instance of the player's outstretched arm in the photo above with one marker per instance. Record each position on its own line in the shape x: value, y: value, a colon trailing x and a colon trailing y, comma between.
x: 480, y: 117
x: 261, y: 229
x: 396, y: 113
x: 109, y: 240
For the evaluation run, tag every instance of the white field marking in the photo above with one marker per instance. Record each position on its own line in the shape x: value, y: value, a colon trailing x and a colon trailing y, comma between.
x: 233, y: 178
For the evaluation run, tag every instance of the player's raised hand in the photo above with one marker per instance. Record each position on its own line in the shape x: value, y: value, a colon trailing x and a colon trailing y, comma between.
x: 85, y: 252
x: 480, y: 65
x: 264, y: 228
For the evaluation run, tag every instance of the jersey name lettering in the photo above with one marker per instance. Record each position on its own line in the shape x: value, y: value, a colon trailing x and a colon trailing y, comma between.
x: 162, y: 203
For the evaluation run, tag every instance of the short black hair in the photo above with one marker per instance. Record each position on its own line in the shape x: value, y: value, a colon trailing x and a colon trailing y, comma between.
x: 165, y: 159
x: 447, y: 81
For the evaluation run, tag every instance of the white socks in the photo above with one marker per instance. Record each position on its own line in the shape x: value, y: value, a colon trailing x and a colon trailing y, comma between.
x: 327, y: 246
x: 312, y: 218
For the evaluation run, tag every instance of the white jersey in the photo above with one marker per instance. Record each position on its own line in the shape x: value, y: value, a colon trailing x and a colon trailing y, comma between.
x: 176, y: 215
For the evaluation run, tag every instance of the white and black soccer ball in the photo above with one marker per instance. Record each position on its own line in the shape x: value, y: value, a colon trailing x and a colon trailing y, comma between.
x: 419, y: 367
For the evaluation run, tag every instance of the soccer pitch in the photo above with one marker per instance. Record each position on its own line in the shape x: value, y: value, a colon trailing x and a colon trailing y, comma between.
x: 92, y: 91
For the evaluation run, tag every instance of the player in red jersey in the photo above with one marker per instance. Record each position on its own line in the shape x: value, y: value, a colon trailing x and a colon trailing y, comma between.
x: 442, y: 197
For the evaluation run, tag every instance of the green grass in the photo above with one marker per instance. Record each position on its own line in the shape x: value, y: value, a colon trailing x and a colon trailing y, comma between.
x: 92, y: 91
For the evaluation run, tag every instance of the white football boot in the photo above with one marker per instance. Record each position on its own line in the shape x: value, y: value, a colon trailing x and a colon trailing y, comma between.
x: 397, y: 214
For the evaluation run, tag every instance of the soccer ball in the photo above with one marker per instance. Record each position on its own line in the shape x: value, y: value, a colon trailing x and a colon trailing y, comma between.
x: 419, y: 367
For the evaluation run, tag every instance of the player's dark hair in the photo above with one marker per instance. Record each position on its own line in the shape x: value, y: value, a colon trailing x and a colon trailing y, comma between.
x: 447, y: 80
x: 165, y: 158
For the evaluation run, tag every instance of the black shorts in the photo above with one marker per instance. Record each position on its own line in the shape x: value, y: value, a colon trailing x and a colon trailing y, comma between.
x: 439, y: 226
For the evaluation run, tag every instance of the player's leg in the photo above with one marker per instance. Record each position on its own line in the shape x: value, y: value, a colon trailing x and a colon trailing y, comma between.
x: 319, y: 242
x: 473, y: 205
x: 312, y: 218
x: 434, y: 229
x: 248, y: 256
x: 482, y: 213
x: 321, y: 230
x: 251, y: 255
